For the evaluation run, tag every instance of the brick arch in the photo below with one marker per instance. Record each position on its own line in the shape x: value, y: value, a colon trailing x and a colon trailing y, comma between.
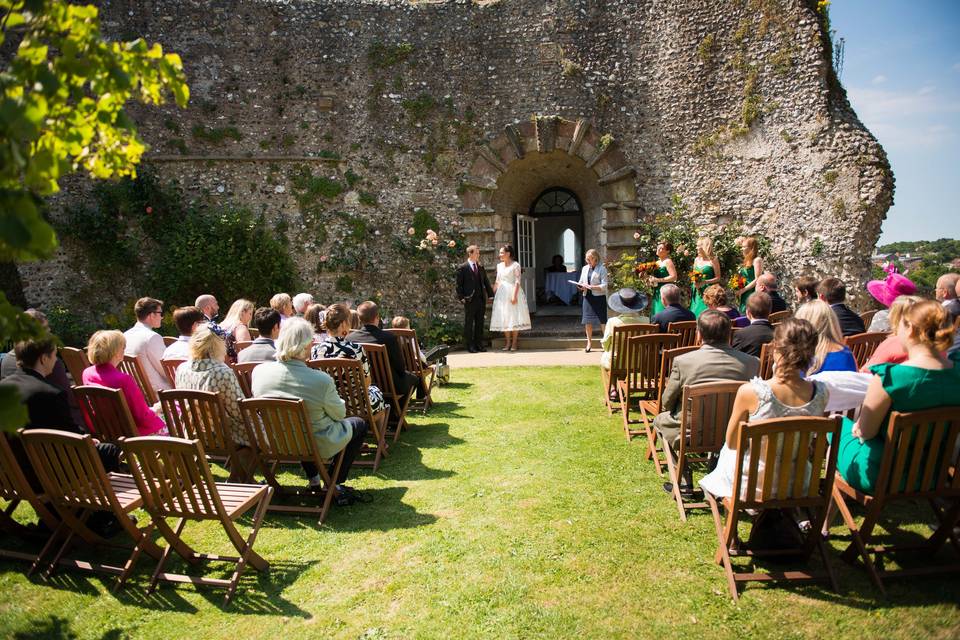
x: 550, y: 151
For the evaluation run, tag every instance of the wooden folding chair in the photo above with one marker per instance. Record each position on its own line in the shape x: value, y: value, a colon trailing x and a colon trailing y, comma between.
x: 919, y: 463
x: 650, y: 408
x: 867, y: 317
x: 169, y: 340
x: 382, y: 376
x: 354, y: 391
x: 244, y: 373
x: 795, y: 454
x: 199, y: 415
x: 281, y: 430
x: 15, y: 488
x: 131, y: 365
x: 779, y: 316
x: 75, y: 361
x: 618, y: 343
x: 254, y: 333
x: 641, y: 366
x: 170, y: 369
x: 410, y: 347
x: 766, y: 361
x: 175, y: 482
x: 864, y: 344
x: 240, y: 345
x: 704, y: 416
x: 687, y: 329
x: 77, y: 485
x: 106, y: 412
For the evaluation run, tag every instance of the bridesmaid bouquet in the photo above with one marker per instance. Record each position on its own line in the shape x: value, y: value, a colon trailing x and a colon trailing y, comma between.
x: 737, y: 282
x: 645, y: 268
x: 697, y: 277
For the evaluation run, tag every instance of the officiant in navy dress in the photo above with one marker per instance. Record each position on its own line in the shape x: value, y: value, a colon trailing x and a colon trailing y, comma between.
x: 593, y: 285
x: 473, y: 290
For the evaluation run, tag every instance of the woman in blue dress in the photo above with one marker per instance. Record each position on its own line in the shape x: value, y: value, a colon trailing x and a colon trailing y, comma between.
x: 831, y: 353
x: 593, y: 285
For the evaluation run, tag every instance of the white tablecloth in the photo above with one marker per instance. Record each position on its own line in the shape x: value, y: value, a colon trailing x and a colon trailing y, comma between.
x: 557, y: 285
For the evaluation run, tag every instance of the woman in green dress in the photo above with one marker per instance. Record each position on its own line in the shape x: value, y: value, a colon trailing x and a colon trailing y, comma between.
x: 926, y: 380
x: 707, y: 264
x: 665, y: 272
x: 751, y: 268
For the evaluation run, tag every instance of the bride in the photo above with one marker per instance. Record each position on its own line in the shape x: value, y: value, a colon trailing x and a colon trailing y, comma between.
x: 510, y: 313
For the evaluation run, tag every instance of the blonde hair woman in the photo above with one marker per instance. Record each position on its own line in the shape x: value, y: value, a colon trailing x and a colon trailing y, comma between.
x: 105, y: 351
x: 831, y: 353
x: 751, y: 267
x: 238, y: 320
x: 593, y: 285
x: 282, y: 303
x: 708, y: 266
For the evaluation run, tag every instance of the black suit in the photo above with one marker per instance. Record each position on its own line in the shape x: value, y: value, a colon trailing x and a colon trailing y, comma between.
x: 776, y: 302
x: 473, y: 289
x: 673, y: 313
x: 850, y: 323
x: 750, y: 339
x: 403, y: 380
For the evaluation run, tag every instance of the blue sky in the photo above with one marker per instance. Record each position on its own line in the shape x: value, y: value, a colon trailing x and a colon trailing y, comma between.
x: 902, y: 74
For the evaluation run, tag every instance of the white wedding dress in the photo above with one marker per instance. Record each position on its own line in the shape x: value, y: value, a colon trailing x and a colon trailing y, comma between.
x: 507, y: 316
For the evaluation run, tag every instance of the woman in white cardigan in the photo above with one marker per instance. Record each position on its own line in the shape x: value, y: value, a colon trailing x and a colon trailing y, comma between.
x: 593, y: 285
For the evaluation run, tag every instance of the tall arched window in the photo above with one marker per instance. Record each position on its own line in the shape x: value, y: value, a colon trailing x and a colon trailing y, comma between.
x: 556, y: 201
x: 569, y: 243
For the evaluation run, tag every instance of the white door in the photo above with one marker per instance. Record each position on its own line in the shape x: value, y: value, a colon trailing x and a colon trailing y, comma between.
x: 526, y: 255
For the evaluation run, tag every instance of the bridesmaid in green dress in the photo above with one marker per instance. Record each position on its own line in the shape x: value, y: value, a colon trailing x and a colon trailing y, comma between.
x: 706, y: 263
x: 926, y: 380
x: 751, y: 268
x: 665, y: 272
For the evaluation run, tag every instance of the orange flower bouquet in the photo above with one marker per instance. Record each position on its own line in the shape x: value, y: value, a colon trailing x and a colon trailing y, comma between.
x: 697, y: 278
x: 644, y: 268
x: 737, y: 282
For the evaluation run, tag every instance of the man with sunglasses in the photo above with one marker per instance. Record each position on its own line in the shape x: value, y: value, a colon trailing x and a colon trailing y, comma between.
x: 145, y: 343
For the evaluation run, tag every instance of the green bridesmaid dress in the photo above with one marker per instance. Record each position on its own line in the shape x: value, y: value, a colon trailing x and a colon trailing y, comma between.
x: 910, y: 389
x: 749, y: 276
x: 659, y: 272
x: 697, y: 305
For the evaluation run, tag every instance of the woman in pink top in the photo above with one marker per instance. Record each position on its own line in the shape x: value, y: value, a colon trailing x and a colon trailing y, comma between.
x: 105, y: 351
x: 890, y: 350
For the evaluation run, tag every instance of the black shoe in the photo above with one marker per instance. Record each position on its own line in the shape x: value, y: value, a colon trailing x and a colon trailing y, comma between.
x: 104, y: 524
x: 685, y: 489
x: 472, y: 350
x: 481, y: 349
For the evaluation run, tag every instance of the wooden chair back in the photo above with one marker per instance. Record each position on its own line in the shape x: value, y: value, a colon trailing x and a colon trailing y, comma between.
x: 200, y: 416
x: 920, y: 456
x: 75, y: 361
x: 170, y: 369
x: 687, y: 330
x: 106, y: 412
x: 14, y: 488
x: 254, y: 333
x: 240, y: 345
x: 131, y: 365
x: 280, y: 428
x: 618, y: 346
x: 779, y: 316
x: 706, y: 412
x: 864, y: 344
x: 867, y: 317
x: 69, y: 469
x: 666, y: 365
x: 642, y: 360
x: 766, y: 361
x: 244, y: 373
x: 410, y: 346
x: 169, y: 340
x: 785, y: 446
x: 382, y: 377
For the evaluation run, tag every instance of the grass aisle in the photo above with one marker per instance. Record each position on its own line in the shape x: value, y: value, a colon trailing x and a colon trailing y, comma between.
x: 515, y: 509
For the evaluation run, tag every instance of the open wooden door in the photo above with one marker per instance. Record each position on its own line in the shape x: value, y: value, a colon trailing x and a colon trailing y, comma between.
x: 526, y: 255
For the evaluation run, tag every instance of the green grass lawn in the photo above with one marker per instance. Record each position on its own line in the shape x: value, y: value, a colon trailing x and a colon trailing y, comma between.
x: 514, y: 509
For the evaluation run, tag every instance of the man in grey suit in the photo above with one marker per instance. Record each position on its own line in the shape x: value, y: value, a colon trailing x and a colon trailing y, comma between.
x: 262, y: 349
x: 716, y: 360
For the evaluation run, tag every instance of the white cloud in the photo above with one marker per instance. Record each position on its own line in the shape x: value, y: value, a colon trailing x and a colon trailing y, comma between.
x: 879, y: 79
x: 919, y: 119
x: 927, y: 90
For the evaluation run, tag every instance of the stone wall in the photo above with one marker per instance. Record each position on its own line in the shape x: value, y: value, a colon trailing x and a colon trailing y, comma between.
x: 470, y: 110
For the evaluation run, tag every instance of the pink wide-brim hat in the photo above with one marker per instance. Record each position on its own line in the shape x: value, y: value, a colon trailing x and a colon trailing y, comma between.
x: 886, y: 291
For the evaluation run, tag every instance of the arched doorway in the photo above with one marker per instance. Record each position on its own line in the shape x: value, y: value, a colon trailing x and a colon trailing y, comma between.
x: 557, y: 217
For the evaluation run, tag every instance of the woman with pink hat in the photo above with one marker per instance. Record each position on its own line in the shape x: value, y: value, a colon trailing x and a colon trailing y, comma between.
x: 885, y: 292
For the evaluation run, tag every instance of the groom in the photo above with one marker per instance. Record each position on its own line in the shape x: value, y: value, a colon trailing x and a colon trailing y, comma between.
x: 473, y: 289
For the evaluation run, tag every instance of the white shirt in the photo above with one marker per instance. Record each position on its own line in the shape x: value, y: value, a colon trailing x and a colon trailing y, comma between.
x: 147, y: 345
x: 179, y: 350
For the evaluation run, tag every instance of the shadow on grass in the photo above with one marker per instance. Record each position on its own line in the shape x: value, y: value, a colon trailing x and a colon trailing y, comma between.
x: 385, y: 512
x: 448, y: 409
x: 432, y: 435
x: 457, y: 385
x: 56, y: 628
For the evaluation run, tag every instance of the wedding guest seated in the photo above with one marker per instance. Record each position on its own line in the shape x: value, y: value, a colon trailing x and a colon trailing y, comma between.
x: 787, y: 394
x: 282, y: 304
x: 105, y: 351
x: 290, y: 377
x: 956, y: 339
x: 750, y: 339
x: 263, y: 349
x: 946, y: 293
x: 834, y: 292
x: 316, y: 315
x: 47, y: 405
x: 831, y: 353
x: 206, y: 371
x: 301, y: 302
x: 805, y: 289
x: 767, y: 283
x: 371, y: 333
x: 210, y: 307
x: 925, y: 380
x: 885, y: 292
x: 628, y: 303
x: 238, y: 319
x: 714, y: 361
x: 403, y: 322
x: 672, y: 311
x: 145, y: 343
x: 335, y: 344
x: 187, y: 320
x: 891, y: 350
x: 715, y: 297
x: 355, y: 322
x: 556, y: 265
